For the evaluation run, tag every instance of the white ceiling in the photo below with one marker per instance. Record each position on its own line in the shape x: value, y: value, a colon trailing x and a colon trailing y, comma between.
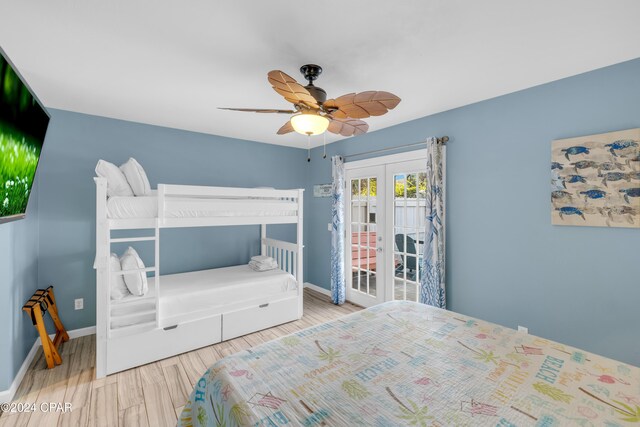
x: 172, y: 63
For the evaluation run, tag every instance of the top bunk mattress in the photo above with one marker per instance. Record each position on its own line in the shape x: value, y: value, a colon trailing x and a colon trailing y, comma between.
x: 119, y: 207
x: 196, y: 294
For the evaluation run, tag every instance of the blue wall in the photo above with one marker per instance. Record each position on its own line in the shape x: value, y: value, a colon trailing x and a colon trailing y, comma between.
x: 506, y: 263
x: 18, y: 280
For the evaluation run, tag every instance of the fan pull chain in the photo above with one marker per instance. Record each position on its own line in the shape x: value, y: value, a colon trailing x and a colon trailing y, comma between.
x: 308, y: 147
x: 324, y: 145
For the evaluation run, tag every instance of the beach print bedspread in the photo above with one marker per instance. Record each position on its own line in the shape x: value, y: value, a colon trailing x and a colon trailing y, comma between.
x: 403, y: 363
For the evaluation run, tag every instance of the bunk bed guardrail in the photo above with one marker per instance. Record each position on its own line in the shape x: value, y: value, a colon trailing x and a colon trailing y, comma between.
x: 282, y: 205
x: 285, y: 253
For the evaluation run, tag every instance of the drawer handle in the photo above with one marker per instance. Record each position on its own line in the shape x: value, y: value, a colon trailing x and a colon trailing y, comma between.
x: 263, y: 305
x: 168, y: 328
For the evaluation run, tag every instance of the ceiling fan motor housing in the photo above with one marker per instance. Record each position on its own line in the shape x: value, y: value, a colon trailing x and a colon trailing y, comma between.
x: 317, y: 92
x: 310, y: 73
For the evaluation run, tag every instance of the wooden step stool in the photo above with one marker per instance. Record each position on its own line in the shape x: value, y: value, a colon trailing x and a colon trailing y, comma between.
x: 41, y: 302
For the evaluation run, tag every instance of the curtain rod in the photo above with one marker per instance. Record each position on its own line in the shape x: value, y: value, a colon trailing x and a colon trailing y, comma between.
x: 443, y: 140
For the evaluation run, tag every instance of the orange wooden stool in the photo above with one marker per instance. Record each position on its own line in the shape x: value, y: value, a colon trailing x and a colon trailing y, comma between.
x: 41, y: 302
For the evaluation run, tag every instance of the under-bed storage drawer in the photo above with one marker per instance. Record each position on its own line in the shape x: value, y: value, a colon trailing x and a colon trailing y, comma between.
x: 138, y: 349
x: 251, y: 319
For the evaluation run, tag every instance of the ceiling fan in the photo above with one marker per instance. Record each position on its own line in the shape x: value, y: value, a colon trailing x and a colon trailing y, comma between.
x: 313, y: 113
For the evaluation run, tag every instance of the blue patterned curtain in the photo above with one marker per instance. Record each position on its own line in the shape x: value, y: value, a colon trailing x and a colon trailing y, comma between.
x: 338, y: 290
x: 432, y: 284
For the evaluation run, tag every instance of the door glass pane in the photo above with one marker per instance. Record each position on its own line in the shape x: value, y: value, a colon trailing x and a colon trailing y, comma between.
x: 398, y: 289
x: 363, y: 187
x: 411, y: 186
x: 412, y: 292
x: 371, y: 202
x: 409, y: 208
x: 355, y: 254
x: 372, y: 284
x: 363, y: 229
x: 400, y: 239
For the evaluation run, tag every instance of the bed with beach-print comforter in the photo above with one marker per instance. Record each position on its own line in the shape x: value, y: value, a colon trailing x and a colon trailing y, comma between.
x: 403, y: 363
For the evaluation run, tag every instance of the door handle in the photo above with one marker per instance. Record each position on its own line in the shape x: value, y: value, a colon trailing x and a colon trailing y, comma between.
x: 379, y: 249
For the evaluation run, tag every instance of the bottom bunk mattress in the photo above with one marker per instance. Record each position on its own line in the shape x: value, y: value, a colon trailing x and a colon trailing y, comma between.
x: 196, y: 294
x: 403, y: 363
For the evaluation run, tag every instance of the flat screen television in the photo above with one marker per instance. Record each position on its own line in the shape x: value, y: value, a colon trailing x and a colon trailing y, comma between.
x: 23, y: 125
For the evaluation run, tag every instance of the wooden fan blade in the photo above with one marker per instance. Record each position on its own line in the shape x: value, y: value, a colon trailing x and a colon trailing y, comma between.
x: 290, y: 89
x: 362, y: 105
x: 259, y: 110
x: 348, y: 127
x: 286, y: 128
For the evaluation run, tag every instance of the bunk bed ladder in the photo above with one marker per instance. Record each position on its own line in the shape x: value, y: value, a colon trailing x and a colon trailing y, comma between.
x: 156, y: 271
x: 299, y: 256
x: 143, y: 303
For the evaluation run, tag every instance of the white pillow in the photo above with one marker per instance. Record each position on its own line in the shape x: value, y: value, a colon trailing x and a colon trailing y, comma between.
x: 136, y: 177
x: 119, y: 289
x: 136, y: 282
x: 117, y: 184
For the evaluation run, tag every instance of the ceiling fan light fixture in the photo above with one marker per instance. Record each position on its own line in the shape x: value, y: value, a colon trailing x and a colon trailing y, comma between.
x: 309, y: 124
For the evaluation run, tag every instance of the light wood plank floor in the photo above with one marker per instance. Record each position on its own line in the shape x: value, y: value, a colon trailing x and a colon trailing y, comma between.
x: 151, y: 395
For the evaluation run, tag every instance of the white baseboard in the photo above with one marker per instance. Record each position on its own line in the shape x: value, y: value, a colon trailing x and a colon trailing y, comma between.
x: 7, y: 395
x: 317, y: 288
x: 76, y: 333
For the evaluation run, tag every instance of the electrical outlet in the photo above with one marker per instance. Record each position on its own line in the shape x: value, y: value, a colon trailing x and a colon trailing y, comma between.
x: 329, y: 227
x: 523, y: 329
x: 79, y: 303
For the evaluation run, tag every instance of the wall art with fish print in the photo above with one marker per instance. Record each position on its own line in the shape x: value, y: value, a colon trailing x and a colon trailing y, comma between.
x: 595, y: 180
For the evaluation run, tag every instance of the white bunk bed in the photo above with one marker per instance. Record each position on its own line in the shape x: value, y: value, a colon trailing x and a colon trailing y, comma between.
x: 182, y: 312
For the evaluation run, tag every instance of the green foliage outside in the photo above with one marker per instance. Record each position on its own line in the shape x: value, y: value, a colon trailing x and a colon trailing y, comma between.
x: 412, y: 184
x: 416, y: 184
x: 362, y: 187
x: 20, y: 158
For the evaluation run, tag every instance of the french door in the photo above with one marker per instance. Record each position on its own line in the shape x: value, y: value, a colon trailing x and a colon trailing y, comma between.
x: 385, y: 212
x: 364, y: 271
